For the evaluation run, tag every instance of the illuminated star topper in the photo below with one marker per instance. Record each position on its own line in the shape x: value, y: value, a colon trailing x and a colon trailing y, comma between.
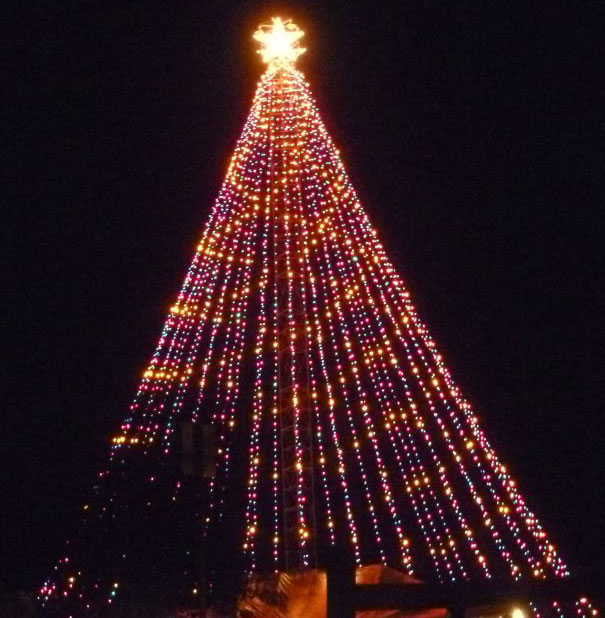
x: 279, y: 40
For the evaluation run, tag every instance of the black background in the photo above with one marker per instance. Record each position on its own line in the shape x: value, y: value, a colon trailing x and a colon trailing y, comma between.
x: 472, y: 132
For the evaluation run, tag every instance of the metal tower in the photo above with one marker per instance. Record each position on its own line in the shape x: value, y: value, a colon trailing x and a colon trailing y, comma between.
x: 294, y: 410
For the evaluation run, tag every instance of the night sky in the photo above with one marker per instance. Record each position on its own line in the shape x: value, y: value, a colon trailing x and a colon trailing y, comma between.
x: 471, y: 132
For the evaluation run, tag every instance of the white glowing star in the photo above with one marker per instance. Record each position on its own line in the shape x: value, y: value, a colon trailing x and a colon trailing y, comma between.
x: 279, y: 40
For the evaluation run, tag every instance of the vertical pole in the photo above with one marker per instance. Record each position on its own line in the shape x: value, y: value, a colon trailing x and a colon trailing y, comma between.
x: 340, y: 577
x: 294, y: 390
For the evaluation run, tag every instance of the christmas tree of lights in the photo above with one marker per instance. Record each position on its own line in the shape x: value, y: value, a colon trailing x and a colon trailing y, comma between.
x: 336, y: 420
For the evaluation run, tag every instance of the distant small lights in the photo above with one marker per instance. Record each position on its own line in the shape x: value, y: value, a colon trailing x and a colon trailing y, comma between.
x: 290, y: 285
